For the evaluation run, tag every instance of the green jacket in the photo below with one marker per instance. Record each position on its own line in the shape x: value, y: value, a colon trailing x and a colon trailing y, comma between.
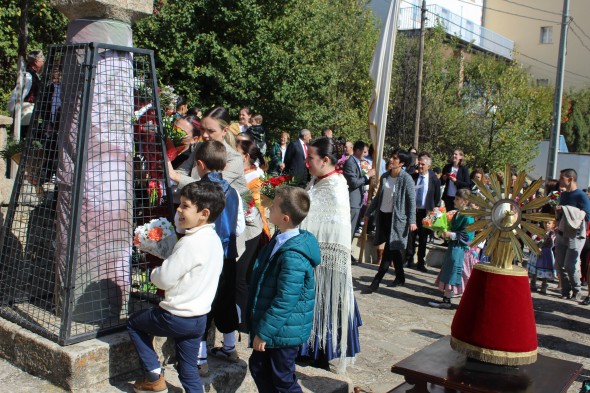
x: 282, y: 292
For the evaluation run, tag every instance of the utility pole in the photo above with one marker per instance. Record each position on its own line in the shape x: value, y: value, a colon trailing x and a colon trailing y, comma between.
x: 419, y: 78
x: 556, y: 123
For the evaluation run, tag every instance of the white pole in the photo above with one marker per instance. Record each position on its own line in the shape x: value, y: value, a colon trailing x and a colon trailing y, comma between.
x: 20, y: 84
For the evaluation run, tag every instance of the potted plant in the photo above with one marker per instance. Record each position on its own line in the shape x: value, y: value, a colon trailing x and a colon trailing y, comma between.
x: 14, y: 149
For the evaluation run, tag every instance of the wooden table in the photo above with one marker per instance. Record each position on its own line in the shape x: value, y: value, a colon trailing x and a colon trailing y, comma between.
x: 439, y: 369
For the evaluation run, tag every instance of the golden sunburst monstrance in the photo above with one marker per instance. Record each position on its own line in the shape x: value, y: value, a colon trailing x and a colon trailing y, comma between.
x: 495, y: 321
x: 505, y: 214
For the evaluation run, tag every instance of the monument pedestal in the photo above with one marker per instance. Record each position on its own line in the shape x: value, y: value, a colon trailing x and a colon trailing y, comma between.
x: 438, y: 368
x: 495, y: 321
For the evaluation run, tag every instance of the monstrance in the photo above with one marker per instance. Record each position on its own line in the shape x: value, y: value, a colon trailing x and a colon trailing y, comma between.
x: 495, y: 322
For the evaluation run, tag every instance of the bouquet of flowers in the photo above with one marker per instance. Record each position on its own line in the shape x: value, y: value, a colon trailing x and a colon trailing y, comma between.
x: 539, y: 240
x: 270, y: 184
x: 249, y: 206
x: 155, y: 192
x: 365, y: 167
x: 438, y: 220
x: 157, y: 237
x: 554, y: 198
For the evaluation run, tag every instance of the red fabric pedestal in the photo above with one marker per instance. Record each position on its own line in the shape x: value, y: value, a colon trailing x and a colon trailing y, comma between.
x: 495, y: 322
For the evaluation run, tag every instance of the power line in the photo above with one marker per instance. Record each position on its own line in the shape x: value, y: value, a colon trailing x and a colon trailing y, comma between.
x: 579, y: 38
x: 552, y: 66
x: 469, y: 31
x: 502, y: 46
x: 513, y: 14
x: 579, y: 28
x: 532, y: 8
x: 505, y: 47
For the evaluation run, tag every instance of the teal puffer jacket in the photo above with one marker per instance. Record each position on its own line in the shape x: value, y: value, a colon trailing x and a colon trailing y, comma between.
x: 282, y: 292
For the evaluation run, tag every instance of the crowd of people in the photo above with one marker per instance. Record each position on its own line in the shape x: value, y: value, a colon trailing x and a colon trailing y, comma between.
x: 285, y: 274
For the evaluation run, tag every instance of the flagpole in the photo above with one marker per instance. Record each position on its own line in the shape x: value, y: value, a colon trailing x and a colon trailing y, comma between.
x: 380, y: 72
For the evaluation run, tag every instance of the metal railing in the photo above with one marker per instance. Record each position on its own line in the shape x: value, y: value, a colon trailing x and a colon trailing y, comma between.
x: 69, y: 270
x: 455, y: 25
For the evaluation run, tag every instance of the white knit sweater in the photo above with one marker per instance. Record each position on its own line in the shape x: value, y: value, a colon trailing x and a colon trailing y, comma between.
x: 191, y: 273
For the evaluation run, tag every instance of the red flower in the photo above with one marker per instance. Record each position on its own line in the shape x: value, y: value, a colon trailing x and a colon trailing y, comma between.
x: 136, y: 241
x: 155, y: 234
x: 154, y: 186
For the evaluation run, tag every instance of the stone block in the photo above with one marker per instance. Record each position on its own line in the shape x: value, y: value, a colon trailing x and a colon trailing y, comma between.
x: 72, y: 367
x: 123, y: 10
x: 110, y: 364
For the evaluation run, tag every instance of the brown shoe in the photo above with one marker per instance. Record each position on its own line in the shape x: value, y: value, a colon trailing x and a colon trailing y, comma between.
x: 146, y: 386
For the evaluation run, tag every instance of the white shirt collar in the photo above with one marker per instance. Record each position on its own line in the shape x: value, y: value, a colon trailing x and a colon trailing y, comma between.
x: 282, y: 239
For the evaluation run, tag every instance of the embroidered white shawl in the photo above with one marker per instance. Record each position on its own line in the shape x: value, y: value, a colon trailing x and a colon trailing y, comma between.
x: 329, y: 220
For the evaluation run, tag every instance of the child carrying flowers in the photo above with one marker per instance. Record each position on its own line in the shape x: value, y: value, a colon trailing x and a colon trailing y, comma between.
x: 189, y: 275
x: 449, y: 279
x: 541, y: 267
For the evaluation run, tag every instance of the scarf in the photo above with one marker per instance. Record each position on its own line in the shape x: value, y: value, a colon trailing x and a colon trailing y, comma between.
x: 329, y: 220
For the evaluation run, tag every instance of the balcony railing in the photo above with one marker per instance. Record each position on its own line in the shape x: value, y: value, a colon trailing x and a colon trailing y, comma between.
x: 466, y: 30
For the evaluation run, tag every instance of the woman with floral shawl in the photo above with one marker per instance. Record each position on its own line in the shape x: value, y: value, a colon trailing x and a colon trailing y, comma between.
x: 334, y: 338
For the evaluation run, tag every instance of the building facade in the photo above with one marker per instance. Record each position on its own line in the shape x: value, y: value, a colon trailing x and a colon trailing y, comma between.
x: 535, y: 28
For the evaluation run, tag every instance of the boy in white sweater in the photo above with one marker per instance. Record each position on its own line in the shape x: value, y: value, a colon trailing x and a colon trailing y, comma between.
x: 189, y: 276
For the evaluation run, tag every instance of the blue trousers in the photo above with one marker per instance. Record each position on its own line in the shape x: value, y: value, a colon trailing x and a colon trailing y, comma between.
x: 274, y: 370
x: 186, y: 332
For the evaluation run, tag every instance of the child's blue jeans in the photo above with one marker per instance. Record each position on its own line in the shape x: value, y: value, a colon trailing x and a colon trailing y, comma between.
x: 274, y: 370
x: 187, y: 333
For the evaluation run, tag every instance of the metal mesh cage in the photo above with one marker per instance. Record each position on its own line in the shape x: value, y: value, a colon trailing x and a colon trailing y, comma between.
x: 91, y: 171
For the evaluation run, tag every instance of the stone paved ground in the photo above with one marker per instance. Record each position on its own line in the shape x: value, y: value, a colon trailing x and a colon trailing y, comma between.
x: 397, y: 323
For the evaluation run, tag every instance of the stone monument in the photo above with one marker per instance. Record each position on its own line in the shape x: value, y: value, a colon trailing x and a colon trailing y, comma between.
x: 105, y: 222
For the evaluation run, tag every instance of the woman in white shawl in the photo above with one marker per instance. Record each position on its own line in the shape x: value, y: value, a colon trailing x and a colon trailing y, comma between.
x: 332, y: 340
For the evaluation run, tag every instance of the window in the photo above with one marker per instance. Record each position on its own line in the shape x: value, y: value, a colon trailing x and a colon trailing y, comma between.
x: 542, y: 82
x: 547, y: 35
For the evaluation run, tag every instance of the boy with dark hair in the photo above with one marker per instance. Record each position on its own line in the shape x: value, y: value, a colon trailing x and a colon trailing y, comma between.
x: 282, y: 295
x: 189, y: 276
x: 210, y: 160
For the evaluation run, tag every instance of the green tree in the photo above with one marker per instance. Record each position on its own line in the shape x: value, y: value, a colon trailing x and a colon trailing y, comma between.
x: 506, y: 115
x: 471, y: 101
x: 300, y: 64
x: 47, y: 26
x: 576, y: 121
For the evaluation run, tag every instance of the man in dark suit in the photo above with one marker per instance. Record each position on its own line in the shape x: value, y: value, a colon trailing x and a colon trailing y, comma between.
x: 427, y: 197
x: 356, y: 181
x: 295, y: 156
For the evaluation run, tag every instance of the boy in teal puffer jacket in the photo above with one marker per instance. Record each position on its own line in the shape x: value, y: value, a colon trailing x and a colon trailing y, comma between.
x: 282, y: 295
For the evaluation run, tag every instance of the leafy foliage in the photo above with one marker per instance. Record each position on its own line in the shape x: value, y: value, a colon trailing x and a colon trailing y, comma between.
x: 470, y: 101
x: 576, y: 121
x: 304, y: 64
x: 47, y: 26
x: 294, y: 62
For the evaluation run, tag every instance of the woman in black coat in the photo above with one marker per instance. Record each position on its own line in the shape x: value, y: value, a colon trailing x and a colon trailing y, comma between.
x: 455, y: 176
